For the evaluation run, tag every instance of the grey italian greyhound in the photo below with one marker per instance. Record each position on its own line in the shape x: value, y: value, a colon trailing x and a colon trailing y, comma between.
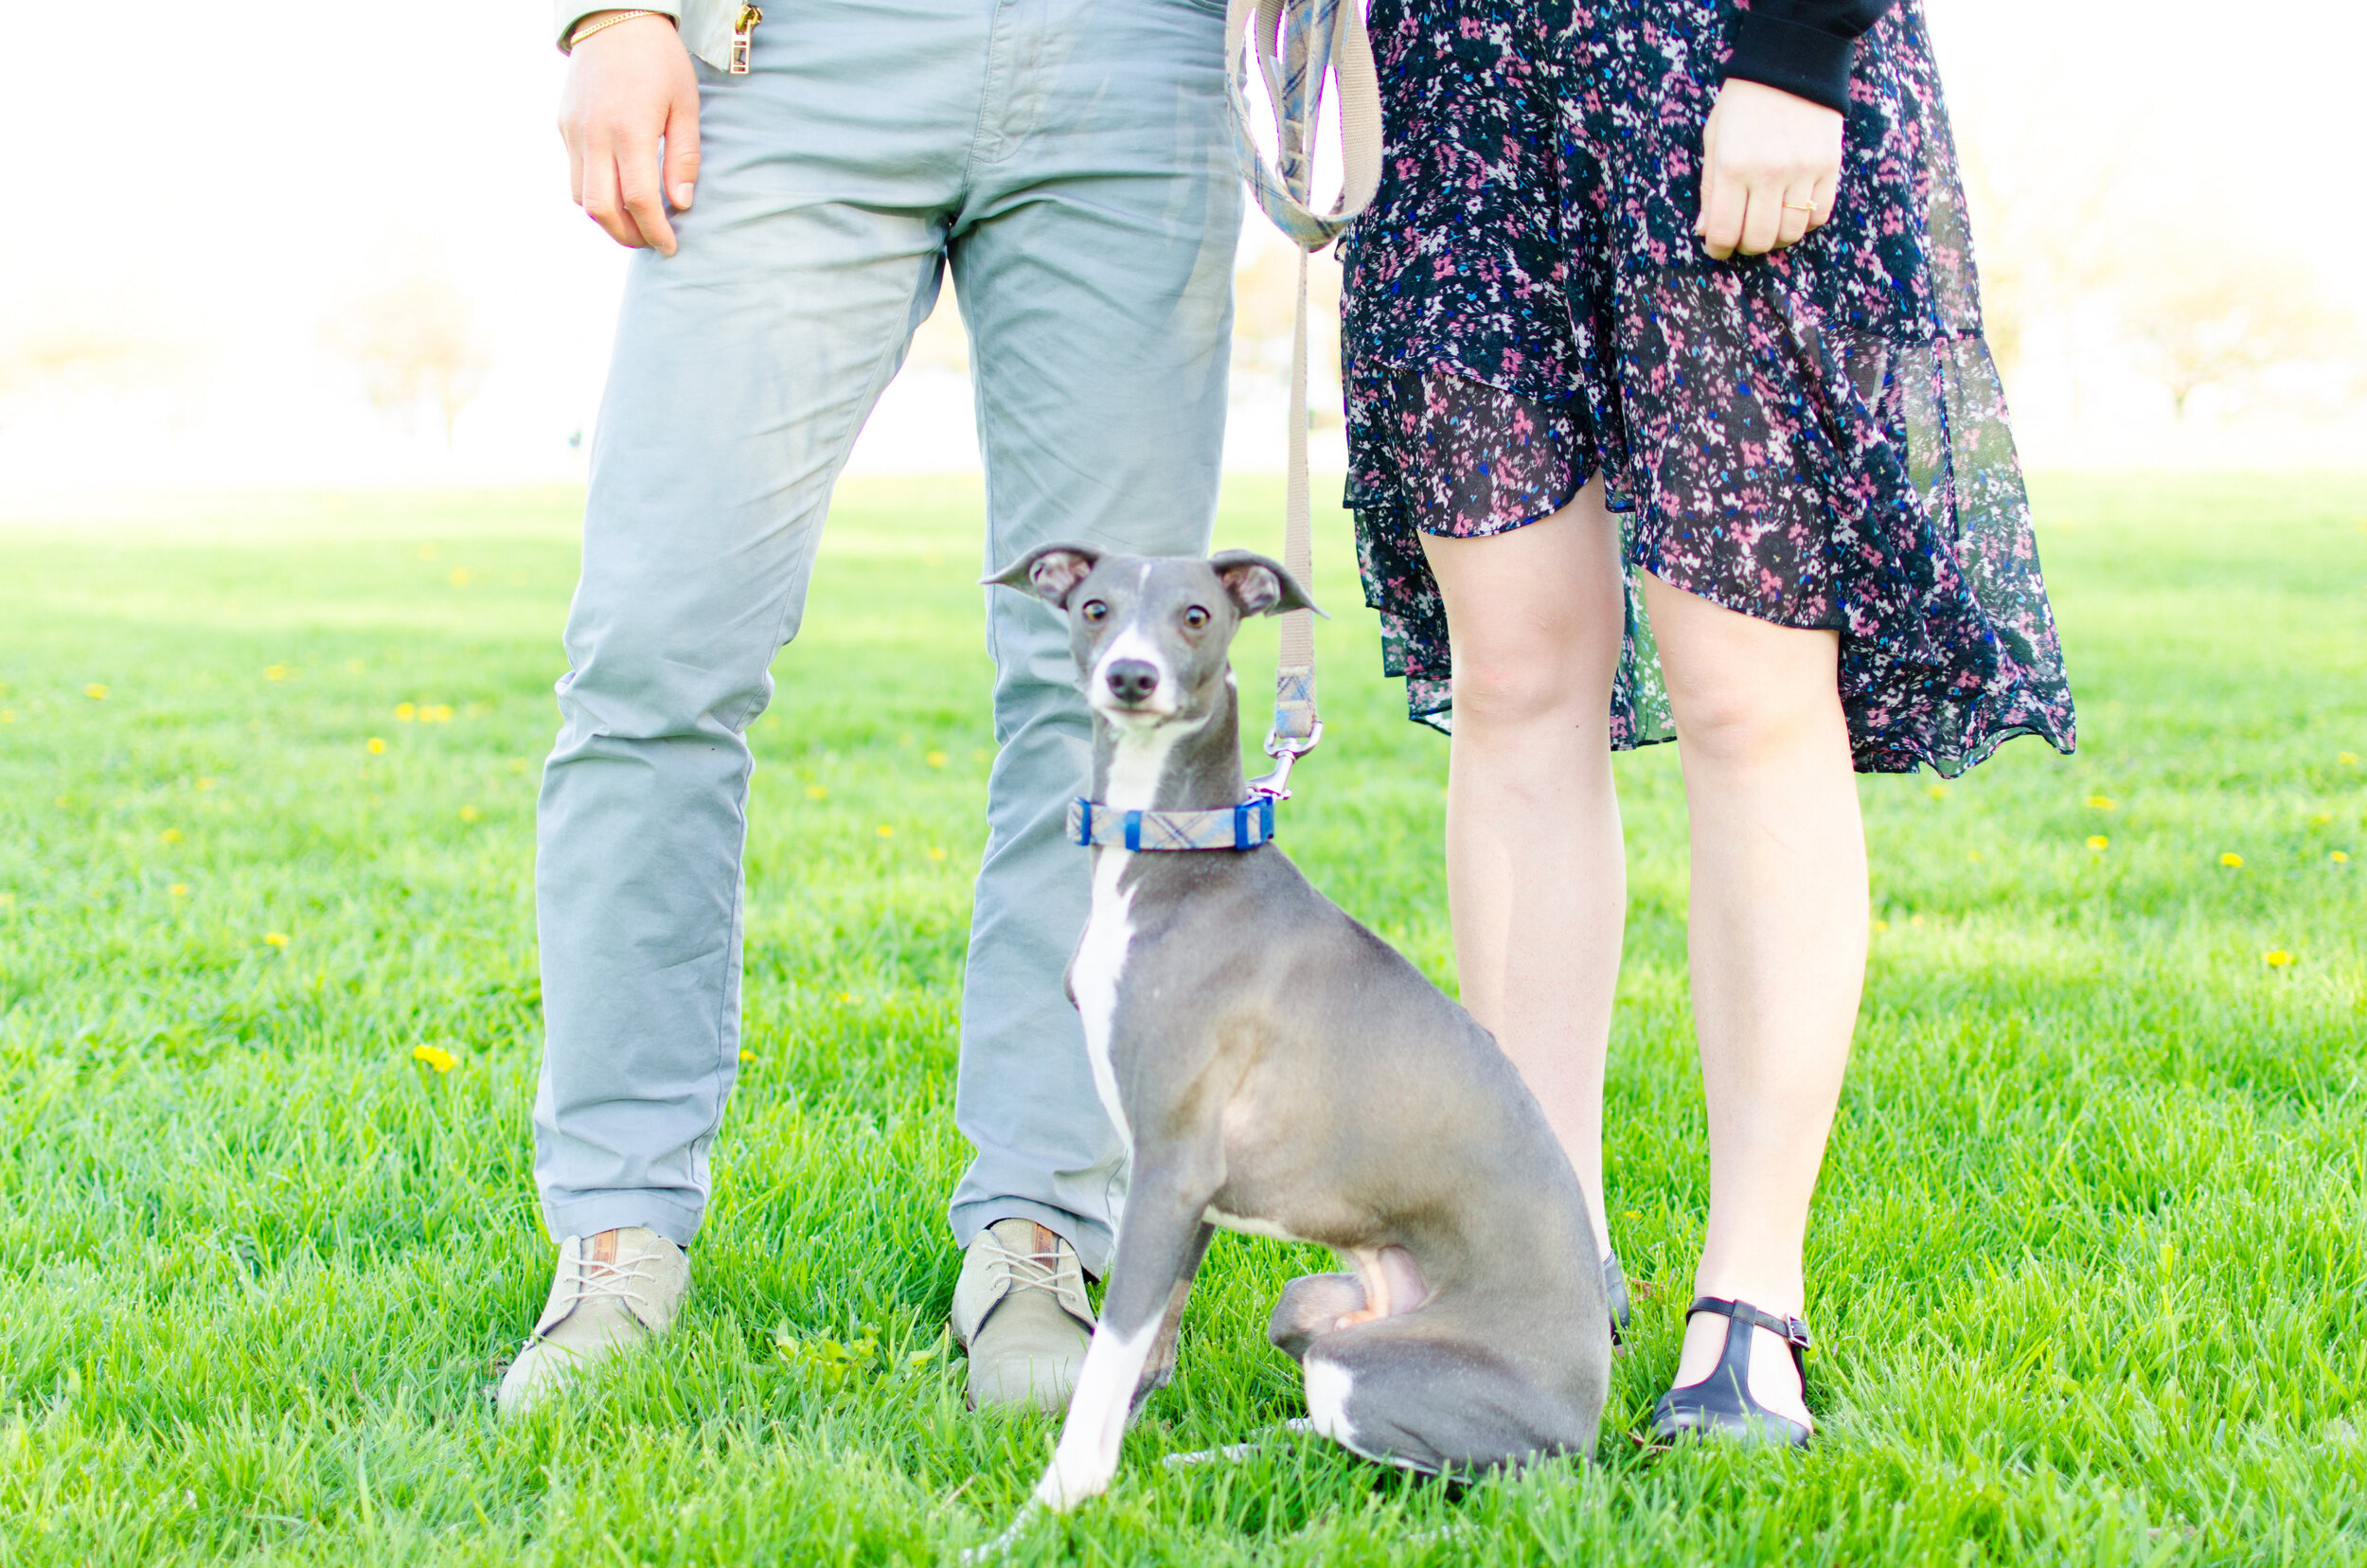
x: 1275, y: 1068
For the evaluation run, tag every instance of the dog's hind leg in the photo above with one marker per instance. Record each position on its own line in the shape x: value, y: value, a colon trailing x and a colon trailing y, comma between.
x: 1310, y: 1306
x: 1394, y: 1392
x: 1158, y: 1244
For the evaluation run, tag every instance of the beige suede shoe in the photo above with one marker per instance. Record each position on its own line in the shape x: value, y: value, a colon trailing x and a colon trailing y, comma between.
x: 1020, y: 1309
x: 613, y: 1291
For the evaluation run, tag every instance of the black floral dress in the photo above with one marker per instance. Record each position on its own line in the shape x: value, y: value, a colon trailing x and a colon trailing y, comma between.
x: 1815, y: 437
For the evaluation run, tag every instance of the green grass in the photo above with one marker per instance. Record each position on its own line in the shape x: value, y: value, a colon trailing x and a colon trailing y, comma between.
x: 2087, y: 1261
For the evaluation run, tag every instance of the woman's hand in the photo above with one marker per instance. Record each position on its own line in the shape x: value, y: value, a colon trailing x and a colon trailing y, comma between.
x: 1770, y: 164
x: 630, y: 87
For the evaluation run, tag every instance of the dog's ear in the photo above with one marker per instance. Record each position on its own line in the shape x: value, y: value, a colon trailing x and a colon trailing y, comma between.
x: 1048, y: 571
x: 1260, y: 585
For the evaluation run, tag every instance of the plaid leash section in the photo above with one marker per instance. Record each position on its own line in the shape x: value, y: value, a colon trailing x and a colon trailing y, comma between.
x: 1295, y: 45
x: 1243, y: 826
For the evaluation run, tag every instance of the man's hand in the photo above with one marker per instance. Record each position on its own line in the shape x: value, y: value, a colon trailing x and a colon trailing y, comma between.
x: 1770, y: 164
x: 629, y: 87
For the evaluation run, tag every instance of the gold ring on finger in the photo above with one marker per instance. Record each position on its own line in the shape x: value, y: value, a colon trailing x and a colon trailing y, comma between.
x: 1794, y: 206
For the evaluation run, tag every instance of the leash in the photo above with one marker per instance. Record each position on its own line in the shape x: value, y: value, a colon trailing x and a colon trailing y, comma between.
x: 1294, y: 44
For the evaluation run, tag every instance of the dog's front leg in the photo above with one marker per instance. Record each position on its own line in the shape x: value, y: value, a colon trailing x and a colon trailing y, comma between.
x: 1161, y: 1364
x: 1160, y: 1242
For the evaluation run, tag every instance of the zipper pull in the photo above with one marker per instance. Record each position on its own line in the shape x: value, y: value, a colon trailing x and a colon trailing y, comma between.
x: 742, y: 28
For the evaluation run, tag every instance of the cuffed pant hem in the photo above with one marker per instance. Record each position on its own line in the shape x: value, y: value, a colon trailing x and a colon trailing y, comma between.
x: 1091, y: 1239
x: 603, y: 1211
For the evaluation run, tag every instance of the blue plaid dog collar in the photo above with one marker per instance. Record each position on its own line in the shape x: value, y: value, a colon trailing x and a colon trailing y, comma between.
x: 1243, y: 826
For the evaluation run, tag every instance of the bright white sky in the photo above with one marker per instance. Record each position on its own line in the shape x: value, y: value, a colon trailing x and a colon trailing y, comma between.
x: 226, y: 174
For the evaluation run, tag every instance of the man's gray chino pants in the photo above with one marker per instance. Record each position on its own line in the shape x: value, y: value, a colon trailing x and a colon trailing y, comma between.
x: 1072, y: 161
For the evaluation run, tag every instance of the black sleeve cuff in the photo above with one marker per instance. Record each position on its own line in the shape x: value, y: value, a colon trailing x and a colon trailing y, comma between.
x: 1806, y: 61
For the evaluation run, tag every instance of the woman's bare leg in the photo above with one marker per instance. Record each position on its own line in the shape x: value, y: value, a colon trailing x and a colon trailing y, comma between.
x: 1778, y: 943
x: 1537, y: 880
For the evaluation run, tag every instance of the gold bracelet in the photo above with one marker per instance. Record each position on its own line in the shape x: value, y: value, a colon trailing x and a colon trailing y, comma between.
x: 609, y: 21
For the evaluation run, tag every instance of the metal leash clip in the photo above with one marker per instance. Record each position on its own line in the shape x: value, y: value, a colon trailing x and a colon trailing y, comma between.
x: 1285, y: 750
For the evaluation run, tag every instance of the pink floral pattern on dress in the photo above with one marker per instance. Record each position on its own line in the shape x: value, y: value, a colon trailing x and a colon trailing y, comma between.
x: 1815, y: 437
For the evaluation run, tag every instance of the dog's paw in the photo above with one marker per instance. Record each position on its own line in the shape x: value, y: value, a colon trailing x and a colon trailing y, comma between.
x: 1067, y: 1483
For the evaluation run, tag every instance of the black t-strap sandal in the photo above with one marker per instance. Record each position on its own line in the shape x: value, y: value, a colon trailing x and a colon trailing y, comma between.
x: 1616, y: 1292
x: 1720, y: 1404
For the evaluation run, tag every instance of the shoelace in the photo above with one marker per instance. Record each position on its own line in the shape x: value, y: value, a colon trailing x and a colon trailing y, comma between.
x: 1021, y: 1268
x: 597, y: 1280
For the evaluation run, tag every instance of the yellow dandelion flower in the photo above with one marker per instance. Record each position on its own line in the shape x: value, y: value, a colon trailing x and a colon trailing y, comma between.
x: 276, y: 938
x: 1881, y: 925
x: 404, y: 713
x: 96, y: 692
x: 2339, y: 858
x: 436, y: 1057
x: 179, y: 890
x: 747, y: 1056
x: 2102, y: 803
x: 815, y: 792
x: 935, y: 760
x: 274, y: 672
x: 886, y: 831
x: 1914, y: 919
x: 2347, y: 758
x: 375, y: 745
x: 517, y: 764
x: 435, y: 713
x: 171, y: 835
x: 847, y: 996
x: 458, y: 577
x: 2099, y: 841
x: 1937, y: 792
x: 2231, y: 858
x: 2319, y: 819
x: 937, y: 851
x: 8, y: 716
x: 469, y: 813
x: 2276, y: 957
x: 204, y: 783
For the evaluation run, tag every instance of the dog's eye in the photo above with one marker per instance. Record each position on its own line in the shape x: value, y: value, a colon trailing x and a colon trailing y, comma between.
x: 1095, y: 611
x: 1195, y: 618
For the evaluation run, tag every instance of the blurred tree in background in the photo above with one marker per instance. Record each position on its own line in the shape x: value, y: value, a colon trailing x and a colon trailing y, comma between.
x: 412, y: 336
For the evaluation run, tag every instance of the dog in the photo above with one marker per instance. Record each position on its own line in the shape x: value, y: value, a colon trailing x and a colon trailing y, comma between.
x: 1276, y: 1069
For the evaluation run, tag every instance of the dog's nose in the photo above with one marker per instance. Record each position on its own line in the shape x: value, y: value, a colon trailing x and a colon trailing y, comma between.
x: 1132, y: 680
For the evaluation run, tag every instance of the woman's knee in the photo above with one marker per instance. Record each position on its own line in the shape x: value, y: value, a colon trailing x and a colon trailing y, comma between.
x: 1509, y: 684
x: 1754, y: 714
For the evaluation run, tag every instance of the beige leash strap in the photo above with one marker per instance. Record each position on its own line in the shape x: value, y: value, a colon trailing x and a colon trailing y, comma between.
x: 1294, y: 45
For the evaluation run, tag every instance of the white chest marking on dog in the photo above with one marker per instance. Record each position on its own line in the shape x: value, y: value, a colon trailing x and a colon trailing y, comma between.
x: 1101, y: 959
x: 1328, y: 1385
x: 1135, y: 766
